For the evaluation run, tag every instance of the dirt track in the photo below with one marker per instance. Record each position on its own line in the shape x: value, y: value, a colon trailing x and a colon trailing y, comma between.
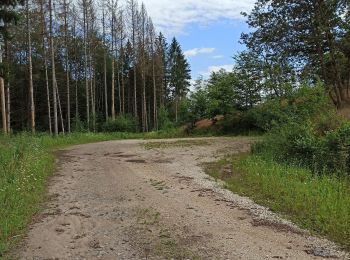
x: 118, y: 200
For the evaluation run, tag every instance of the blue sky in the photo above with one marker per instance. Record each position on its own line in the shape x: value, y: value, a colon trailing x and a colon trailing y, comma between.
x: 211, y: 47
x: 208, y: 30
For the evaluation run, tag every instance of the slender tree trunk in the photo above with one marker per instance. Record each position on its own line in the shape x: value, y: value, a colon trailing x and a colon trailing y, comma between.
x: 122, y: 63
x: 48, y: 94
x: 176, y: 107
x: 113, y: 69
x: 66, y: 8
x: 134, y: 14
x: 30, y: 68
x: 155, y: 112
x: 93, y: 94
x: 86, y: 28
x: 129, y: 96
x: 119, y: 92
x: 53, y: 66
x: 77, y: 118
x: 113, y: 91
x: 105, y: 65
x: 135, y: 92
x: 3, y: 98
x: 8, y: 95
x: 76, y: 103
x: 118, y: 75
x: 60, y: 110
x: 3, y: 102
x: 155, y: 107
x: 94, y: 101
x: 144, y: 101
x: 8, y: 107
x: 46, y: 66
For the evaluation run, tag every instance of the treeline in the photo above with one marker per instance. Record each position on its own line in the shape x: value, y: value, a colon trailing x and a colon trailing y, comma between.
x: 86, y: 65
x: 290, y: 44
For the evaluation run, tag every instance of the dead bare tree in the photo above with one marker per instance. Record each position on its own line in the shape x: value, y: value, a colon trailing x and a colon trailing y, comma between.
x: 104, y: 59
x: 43, y: 33
x: 53, y: 67
x: 133, y: 14
x: 30, y: 69
x: 66, y: 12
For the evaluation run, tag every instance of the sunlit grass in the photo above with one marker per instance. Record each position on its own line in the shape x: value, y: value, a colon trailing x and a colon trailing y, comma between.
x: 318, y: 203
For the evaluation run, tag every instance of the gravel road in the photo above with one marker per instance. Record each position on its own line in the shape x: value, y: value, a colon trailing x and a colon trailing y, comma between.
x: 136, y: 200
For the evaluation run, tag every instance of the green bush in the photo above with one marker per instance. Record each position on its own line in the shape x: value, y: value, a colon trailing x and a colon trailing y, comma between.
x: 79, y: 126
x: 122, y: 123
x: 302, y: 145
x: 163, y: 120
x: 305, y: 131
x: 305, y: 103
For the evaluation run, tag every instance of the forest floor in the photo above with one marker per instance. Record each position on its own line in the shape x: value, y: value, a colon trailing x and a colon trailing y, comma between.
x: 152, y: 200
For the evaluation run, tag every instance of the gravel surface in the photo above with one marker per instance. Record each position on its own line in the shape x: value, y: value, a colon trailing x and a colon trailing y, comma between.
x: 132, y: 200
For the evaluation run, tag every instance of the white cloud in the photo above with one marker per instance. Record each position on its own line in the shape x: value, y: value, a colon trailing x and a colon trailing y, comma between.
x: 211, y: 69
x: 196, y: 51
x: 172, y: 16
x: 217, y: 57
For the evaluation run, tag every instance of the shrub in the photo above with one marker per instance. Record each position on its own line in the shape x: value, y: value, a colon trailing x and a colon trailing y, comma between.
x: 302, y: 145
x: 163, y: 119
x: 305, y: 103
x: 122, y: 123
x: 305, y: 131
x: 78, y: 125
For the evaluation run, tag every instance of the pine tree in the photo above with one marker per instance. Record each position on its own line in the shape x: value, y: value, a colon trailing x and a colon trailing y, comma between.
x: 179, y: 74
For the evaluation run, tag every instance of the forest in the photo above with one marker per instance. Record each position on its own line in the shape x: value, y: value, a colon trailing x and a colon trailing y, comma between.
x: 84, y: 64
x: 76, y: 72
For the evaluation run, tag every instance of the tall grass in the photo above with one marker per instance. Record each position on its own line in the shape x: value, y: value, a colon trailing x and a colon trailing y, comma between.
x: 318, y: 203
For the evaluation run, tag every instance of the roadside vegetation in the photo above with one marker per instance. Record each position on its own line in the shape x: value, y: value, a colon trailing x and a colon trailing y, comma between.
x: 319, y: 203
x: 300, y: 169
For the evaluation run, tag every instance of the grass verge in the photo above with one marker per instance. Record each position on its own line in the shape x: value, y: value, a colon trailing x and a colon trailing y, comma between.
x: 26, y: 162
x: 320, y: 204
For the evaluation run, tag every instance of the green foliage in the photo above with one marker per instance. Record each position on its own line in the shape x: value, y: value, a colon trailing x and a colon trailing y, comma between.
x: 300, y: 39
x: 199, y: 100
x: 78, y: 125
x: 299, y: 105
x: 163, y: 119
x: 238, y: 122
x: 221, y: 93
x: 8, y: 15
x: 318, y: 203
x: 305, y: 131
x: 179, y: 69
x: 185, y: 115
x: 122, y: 123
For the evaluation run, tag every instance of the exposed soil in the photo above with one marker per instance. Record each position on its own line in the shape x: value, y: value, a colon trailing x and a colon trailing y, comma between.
x: 119, y: 200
